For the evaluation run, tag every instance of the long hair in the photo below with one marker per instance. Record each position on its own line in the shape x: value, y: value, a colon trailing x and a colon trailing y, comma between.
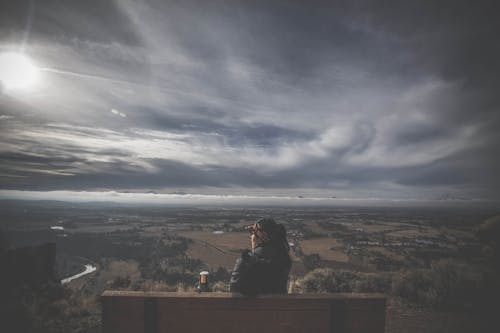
x: 272, y: 233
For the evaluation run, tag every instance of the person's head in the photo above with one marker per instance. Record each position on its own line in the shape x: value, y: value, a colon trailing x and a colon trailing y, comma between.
x: 267, y: 231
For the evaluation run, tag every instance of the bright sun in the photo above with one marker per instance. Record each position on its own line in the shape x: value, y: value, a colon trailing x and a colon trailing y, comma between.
x: 17, y: 71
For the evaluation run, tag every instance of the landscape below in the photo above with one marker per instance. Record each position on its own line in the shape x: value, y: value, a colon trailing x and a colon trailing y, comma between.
x: 439, y: 266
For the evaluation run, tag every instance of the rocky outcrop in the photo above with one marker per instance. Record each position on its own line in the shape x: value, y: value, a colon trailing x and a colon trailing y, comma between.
x: 31, y: 266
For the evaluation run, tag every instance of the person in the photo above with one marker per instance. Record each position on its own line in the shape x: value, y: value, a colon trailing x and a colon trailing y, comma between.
x: 264, y: 269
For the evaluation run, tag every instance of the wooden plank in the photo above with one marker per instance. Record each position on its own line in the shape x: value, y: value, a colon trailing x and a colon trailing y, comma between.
x: 161, y: 294
x: 123, y: 314
x: 364, y: 315
x: 164, y: 312
x: 151, y: 315
x: 241, y: 315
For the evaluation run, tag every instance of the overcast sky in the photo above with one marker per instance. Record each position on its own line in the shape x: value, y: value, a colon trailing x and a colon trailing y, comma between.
x: 352, y: 99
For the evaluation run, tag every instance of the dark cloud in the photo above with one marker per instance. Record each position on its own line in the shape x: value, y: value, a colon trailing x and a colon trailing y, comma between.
x: 421, y: 134
x: 93, y: 20
x: 360, y: 97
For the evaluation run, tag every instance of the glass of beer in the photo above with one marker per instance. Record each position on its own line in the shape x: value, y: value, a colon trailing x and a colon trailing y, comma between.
x: 203, y: 283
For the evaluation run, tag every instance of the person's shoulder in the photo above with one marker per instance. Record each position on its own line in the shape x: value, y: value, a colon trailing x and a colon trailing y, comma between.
x: 245, y: 258
x: 252, y: 257
x: 246, y: 253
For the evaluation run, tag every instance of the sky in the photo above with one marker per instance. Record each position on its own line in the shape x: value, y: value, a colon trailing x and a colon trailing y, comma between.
x: 296, y: 99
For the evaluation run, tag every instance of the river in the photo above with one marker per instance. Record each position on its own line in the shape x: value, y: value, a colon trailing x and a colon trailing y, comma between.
x: 88, y: 269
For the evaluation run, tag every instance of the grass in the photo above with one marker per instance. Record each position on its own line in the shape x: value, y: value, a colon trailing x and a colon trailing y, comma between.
x: 323, y: 247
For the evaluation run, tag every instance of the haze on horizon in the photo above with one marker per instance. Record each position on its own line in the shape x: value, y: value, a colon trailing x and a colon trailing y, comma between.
x: 345, y: 99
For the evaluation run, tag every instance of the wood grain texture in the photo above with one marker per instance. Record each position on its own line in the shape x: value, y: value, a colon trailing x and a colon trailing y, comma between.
x: 163, y: 312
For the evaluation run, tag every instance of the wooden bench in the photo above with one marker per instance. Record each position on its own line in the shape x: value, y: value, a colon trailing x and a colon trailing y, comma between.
x: 161, y: 312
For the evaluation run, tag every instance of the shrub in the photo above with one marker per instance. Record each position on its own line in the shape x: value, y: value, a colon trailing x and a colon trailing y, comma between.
x: 220, y: 286
x: 323, y: 280
x: 121, y: 282
x: 311, y: 261
x: 411, y: 284
x: 446, y: 283
x: 373, y: 282
x: 320, y: 280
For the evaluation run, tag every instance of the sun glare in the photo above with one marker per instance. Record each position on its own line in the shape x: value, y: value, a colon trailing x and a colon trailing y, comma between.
x: 17, y: 71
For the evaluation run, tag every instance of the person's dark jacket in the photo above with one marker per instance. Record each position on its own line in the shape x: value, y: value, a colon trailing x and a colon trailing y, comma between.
x: 261, y: 271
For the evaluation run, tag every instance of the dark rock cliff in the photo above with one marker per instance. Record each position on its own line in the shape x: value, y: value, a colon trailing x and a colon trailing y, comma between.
x: 31, y: 266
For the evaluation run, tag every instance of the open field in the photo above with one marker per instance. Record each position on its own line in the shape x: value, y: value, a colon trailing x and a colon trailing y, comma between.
x: 227, y: 241
x: 211, y: 255
x: 371, y: 228
x: 386, y: 253
x: 327, y: 248
x: 216, y: 249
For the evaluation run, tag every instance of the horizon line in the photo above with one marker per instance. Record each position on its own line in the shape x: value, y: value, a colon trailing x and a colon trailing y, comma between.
x: 226, y: 199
